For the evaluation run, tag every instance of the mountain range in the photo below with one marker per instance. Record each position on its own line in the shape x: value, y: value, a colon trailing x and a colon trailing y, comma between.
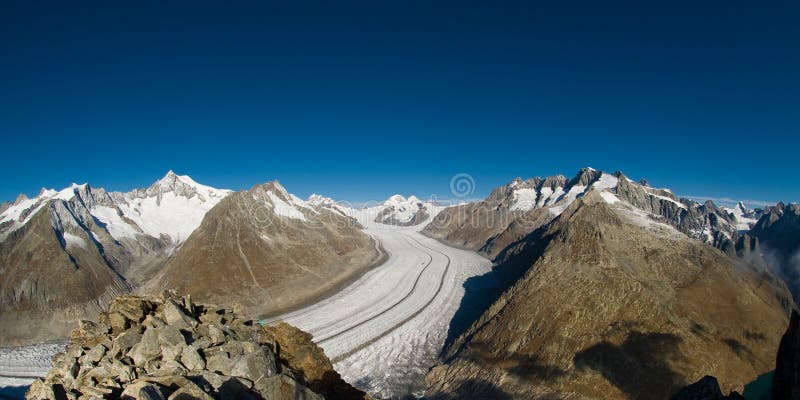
x: 601, y: 286
x: 65, y: 254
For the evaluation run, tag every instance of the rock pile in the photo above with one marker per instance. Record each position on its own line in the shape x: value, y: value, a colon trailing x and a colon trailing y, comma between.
x: 169, y: 348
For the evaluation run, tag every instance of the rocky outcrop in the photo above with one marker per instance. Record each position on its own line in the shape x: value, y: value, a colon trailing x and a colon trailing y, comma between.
x: 786, y: 380
x: 615, y: 305
x: 170, y: 348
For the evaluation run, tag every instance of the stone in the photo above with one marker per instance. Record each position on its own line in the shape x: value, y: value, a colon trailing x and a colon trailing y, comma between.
x: 282, y: 387
x: 156, y: 360
x: 143, y: 391
x: 190, y: 391
x: 192, y: 359
x: 147, y: 349
x: 169, y: 368
x: 151, y: 321
x: 124, y: 373
x: 234, y: 348
x: 174, y: 315
x: 212, y: 316
x: 124, y: 342
x: 207, y: 380
x: 236, y: 389
x: 215, y: 335
x: 134, y: 308
x: 89, y: 333
x: 96, y: 353
x: 170, y: 336
x: 255, y: 365
x: 115, y: 320
x: 219, y: 363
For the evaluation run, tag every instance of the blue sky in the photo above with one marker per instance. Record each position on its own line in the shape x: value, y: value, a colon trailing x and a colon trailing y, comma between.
x: 360, y: 101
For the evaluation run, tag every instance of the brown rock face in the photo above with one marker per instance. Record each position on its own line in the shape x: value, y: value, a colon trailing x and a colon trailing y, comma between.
x: 296, y: 350
x: 47, y: 283
x: 616, y: 307
x: 245, y: 253
x: 160, y: 356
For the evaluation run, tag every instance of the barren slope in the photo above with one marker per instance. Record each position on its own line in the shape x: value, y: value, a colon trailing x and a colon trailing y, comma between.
x: 253, y: 249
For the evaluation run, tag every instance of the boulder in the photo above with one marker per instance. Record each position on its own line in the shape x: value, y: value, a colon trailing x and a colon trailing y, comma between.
x: 192, y: 359
x: 147, y: 349
x: 142, y: 391
x: 174, y: 315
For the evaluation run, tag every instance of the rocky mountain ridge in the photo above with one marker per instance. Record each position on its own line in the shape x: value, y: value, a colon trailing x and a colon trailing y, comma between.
x: 65, y: 254
x: 614, y: 304
x: 522, y: 206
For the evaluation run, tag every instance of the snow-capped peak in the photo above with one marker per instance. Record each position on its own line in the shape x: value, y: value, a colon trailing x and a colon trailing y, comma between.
x: 395, y: 199
x: 173, y: 205
x: 319, y: 200
x: 741, y: 207
x: 745, y: 218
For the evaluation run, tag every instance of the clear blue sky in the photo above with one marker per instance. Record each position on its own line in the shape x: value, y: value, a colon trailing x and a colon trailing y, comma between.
x: 359, y: 101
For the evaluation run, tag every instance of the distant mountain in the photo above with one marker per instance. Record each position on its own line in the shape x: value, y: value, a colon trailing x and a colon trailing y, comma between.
x: 397, y: 210
x: 775, y: 239
x: 268, y: 250
x: 521, y: 206
x: 64, y: 254
x: 618, y: 297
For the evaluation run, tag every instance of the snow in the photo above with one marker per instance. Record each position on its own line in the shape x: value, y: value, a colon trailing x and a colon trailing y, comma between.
x: 116, y: 226
x: 609, y: 197
x: 555, y: 196
x: 665, y: 198
x: 387, y: 329
x: 544, y: 195
x: 567, y: 199
x: 525, y: 199
x: 73, y: 240
x: 282, y: 208
x: 175, y: 216
x: 645, y: 220
x: 316, y: 200
x: 606, y: 181
x: 404, y: 209
x: 68, y: 193
x: 14, y: 213
x: 742, y: 223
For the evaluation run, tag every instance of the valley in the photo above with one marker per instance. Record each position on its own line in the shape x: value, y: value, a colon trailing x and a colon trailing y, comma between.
x: 384, y: 331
